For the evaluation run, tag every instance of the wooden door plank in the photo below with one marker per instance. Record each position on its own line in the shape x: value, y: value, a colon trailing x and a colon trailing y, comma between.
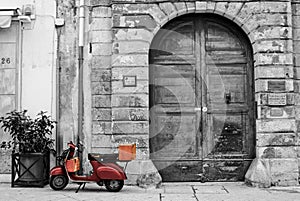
x: 198, y: 87
x: 204, y: 90
x: 174, y: 136
x: 174, y: 60
x: 222, y: 69
x: 170, y: 71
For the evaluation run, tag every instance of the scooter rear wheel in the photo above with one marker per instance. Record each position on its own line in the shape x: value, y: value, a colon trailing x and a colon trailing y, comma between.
x: 58, y: 182
x: 114, y: 185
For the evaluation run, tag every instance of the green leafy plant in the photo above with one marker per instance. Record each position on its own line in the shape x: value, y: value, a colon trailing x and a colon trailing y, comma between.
x: 28, y: 135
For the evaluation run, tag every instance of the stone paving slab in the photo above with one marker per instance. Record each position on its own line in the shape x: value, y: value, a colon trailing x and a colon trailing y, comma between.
x: 243, y: 197
x: 178, y: 189
x: 208, y: 189
x: 178, y: 197
x: 285, y: 189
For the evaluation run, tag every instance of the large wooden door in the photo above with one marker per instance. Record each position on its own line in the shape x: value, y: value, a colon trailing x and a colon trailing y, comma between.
x: 201, y: 100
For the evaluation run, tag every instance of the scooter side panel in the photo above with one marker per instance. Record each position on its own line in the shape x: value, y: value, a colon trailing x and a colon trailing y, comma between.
x: 110, y: 173
x: 58, y: 170
x: 118, y: 168
x: 115, y: 166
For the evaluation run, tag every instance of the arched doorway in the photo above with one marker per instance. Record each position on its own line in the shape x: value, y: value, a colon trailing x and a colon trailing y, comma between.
x: 201, y: 100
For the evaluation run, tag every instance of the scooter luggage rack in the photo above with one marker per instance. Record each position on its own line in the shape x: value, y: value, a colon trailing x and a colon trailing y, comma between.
x: 127, y: 152
x: 108, y: 158
x: 103, y: 157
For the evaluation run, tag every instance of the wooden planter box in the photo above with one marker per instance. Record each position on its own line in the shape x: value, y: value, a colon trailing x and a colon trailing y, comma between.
x: 30, y: 169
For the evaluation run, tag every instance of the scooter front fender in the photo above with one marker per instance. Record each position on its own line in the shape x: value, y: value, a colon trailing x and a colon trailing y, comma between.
x: 58, y: 170
x: 106, y: 172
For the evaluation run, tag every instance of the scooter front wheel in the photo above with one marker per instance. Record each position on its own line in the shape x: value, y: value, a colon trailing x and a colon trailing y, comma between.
x: 114, y: 185
x: 58, y: 182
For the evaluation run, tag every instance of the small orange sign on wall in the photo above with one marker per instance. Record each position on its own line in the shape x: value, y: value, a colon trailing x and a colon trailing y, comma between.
x: 127, y: 152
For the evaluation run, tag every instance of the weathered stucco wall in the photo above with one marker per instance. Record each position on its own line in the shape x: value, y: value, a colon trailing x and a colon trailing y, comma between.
x: 36, y: 63
x: 67, y: 67
x: 39, y: 60
x: 38, y: 56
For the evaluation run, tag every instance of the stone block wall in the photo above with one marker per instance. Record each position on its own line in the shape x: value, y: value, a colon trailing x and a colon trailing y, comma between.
x: 120, y: 115
x: 120, y: 34
x: 100, y: 42
x: 296, y: 46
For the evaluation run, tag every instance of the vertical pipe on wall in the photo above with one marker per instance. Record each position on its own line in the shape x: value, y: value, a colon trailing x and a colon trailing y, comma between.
x: 80, y: 75
x: 59, y: 140
x: 81, y: 23
x: 18, y: 105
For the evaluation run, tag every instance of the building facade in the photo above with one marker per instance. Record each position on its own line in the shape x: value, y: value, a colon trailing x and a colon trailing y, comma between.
x: 28, y: 46
x: 208, y: 90
x: 202, y: 87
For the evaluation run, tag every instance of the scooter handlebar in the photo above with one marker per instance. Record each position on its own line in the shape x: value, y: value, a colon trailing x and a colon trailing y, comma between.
x: 71, y: 145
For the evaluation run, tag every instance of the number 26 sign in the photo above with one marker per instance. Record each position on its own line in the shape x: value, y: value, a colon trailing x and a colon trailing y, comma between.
x: 5, y: 60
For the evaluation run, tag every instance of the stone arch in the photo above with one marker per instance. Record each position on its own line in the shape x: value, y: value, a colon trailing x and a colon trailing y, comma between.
x: 235, y: 11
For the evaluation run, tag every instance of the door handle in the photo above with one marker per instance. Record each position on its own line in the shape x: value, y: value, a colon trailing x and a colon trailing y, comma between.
x: 203, y: 109
x: 227, y: 97
x: 197, y: 108
x: 184, y: 167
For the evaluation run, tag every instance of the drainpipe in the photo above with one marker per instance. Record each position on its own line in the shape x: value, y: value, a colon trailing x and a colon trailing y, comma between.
x: 20, y: 57
x: 80, y: 78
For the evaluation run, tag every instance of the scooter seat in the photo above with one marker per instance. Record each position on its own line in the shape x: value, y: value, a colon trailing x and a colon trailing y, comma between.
x: 103, y: 157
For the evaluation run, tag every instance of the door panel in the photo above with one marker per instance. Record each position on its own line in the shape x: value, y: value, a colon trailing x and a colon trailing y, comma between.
x: 225, y: 136
x: 175, y: 136
x: 225, y: 142
x: 174, y: 121
x: 226, y: 170
x: 231, y: 85
x: 201, y: 101
x: 173, y: 126
x: 180, y: 170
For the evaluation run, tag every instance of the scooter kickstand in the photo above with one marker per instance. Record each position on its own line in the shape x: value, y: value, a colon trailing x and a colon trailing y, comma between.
x: 80, y: 186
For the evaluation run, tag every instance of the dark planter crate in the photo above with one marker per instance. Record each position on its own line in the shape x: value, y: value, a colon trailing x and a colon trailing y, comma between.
x: 30, y: 169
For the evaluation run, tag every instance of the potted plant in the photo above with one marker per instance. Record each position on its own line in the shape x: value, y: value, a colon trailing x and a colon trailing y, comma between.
x: 31, y: 145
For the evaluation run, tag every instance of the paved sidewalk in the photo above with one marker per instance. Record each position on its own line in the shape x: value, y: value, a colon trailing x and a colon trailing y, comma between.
x: 168, y: 192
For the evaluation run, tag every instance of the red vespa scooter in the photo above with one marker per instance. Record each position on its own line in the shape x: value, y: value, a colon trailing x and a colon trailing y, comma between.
x: 105, y: 169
